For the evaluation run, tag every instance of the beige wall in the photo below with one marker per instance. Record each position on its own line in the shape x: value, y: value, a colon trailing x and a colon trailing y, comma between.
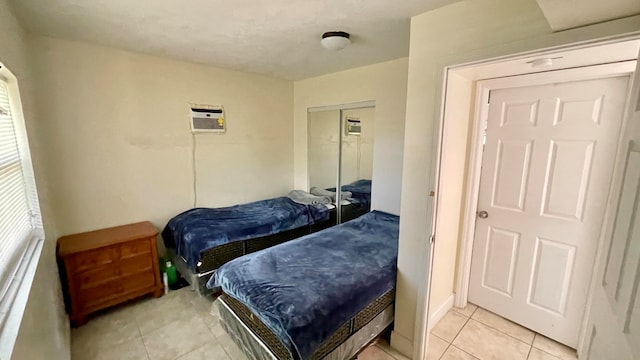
x: 44, y: 330
x: 118, y: 140
x: 111, y: 144
x: 386, y: 83
x: 459, y: 33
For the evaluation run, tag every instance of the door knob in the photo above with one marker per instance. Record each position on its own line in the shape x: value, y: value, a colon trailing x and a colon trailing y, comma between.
x: 483, y: 214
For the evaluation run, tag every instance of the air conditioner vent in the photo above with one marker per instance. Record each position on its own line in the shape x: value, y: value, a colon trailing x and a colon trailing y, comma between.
x: 353, y: 126
x: 208, y: 118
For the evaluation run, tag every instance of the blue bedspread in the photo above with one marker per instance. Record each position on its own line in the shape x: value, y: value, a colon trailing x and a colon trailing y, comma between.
x: 360, y: 186
x: 303, y: 290
x: 200, y: 229
x: 360, y: 193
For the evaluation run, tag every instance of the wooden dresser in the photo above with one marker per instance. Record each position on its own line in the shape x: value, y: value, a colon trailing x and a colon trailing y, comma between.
x: 106, y: 267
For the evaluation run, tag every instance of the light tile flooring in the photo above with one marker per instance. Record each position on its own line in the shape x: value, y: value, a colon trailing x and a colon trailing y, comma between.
x: 178, y: 326
x: 185, y: 326
x: 475, y: 333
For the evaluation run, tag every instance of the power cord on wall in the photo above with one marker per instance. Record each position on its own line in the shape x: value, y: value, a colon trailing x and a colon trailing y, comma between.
x: 211, y: 112
x: 359, y: 155
x: 194, y: 169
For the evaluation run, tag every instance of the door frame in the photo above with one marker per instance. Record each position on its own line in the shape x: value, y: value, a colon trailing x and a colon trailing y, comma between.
x: 426, y: 319
x: 481, y: 110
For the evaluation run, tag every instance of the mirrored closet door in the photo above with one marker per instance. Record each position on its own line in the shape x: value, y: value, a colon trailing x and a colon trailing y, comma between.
x: 340, y: 157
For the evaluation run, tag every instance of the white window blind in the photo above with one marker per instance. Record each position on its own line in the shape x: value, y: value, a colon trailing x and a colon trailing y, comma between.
x: 20, y: 221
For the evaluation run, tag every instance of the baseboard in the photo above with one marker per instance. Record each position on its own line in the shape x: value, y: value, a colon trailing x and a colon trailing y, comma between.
x: 440, y: 311
x: 402, y: 344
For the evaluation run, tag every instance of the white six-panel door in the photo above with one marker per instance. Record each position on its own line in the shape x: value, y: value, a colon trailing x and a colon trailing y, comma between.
x: 546, y: 172
x: 613, y: 320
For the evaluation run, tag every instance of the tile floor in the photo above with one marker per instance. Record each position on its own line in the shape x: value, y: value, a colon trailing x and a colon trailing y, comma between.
x: 178, y: 326
x: 475, y: 333
x: 184, y: 326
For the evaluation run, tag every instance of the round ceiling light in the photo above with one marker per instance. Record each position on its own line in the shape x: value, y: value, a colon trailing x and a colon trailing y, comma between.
x: 335, y: 40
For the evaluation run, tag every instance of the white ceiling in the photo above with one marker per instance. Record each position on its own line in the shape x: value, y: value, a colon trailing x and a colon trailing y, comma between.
x: 279, y: 38
x: 567, y: 14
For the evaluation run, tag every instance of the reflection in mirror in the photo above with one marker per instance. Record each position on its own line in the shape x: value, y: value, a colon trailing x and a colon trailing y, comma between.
x: 323, y: 149
x: 324, y: 137
x: 340, y: 151
x: 357, y: 161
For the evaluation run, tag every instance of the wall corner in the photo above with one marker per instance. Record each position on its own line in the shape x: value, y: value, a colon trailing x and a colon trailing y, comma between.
x: 402, y: 344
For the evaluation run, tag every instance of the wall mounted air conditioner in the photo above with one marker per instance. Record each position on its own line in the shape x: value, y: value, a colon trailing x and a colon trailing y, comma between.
x: 353, y: 126
x: 208, y: 118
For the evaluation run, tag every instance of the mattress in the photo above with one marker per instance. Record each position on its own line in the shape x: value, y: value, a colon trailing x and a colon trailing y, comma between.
x: 257, y: 340
x: 307, y: 289
x: 213, y: 258
x: 349, y: 212
x: 194, y: 231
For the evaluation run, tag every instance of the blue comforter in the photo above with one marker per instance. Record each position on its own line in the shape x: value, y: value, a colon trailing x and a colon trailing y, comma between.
x: 360, y: 193
x: 360, y: 186
x: 200, y: 229
x: 303, y: 290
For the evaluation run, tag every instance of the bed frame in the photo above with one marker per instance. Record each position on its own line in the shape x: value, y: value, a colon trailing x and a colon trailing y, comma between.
x: 212, y: 259
x: 258, y: 342
x: 350, y: 212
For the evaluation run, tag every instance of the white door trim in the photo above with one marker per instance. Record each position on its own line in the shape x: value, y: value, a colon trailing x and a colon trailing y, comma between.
x: 421, y: 326
x: 424, y: 299
x: 475, y: 161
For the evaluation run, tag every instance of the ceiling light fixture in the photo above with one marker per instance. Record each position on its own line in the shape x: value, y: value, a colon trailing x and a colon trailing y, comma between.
x: 335, y: 40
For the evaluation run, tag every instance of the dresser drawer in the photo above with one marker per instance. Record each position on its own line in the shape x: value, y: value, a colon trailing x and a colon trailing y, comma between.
x: 89, y: 260
x: 114, y: 270
x: 138, y: 281
x: 135, y: 265
x: 106, y: 291
x: 89, y: 296
x: 135, y: 248
x: 96, y: 276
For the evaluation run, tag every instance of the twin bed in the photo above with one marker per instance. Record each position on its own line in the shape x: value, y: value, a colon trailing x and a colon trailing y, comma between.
x: 360, y: 201
x: 203, y: 239
x: 323, y: 296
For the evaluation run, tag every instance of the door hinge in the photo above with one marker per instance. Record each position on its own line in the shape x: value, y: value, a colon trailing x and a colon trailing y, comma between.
x: 432, y: 239
x: 489, y: 98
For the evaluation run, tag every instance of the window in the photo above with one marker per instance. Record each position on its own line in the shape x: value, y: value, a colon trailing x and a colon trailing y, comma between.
x: 20, y: 221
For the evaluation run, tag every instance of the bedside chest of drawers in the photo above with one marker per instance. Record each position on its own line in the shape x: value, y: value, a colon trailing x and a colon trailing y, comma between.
x: 106, y: 267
